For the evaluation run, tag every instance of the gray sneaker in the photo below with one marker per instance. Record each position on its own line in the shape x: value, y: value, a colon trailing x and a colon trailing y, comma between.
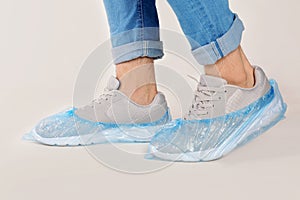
x: 112, y: 117
x: 214, y: 97
x: 115, y: 107
x: 221, y: 118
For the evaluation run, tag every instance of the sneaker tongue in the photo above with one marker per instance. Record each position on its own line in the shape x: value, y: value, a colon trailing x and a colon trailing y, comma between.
x: 211, y: 81
x: 113, y: 83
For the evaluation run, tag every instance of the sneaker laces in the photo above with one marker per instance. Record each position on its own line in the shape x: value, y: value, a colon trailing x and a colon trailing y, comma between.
x: 113, y: 84
x: 105, y: 96
x: 203, y: 101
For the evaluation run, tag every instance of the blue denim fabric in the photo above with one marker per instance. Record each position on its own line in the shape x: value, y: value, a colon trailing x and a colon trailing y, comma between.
x: 210, y: 26
x: 134, y: 29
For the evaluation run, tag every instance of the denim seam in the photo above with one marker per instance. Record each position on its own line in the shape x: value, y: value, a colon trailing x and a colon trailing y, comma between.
x: 208, y: 54
x: 140, y: 19
x: 218, y: 46
x: 209, y: 26
x: 145, y: 48
x: 211, y: 29
x: 236, y: 27
x: 221, y: 47
x: 215, y: 50
x: 142, y: 27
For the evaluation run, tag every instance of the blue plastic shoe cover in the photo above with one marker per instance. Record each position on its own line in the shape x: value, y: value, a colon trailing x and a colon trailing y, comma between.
x: 210, y: 139
x: 66, y: 128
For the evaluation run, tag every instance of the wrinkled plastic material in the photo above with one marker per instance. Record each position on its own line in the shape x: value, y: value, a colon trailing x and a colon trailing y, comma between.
x: 210, y: 139
x: 66, y: 128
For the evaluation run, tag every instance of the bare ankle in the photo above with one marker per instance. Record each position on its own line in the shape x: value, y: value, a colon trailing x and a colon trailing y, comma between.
x: 137, y: 78
x: 234, y: 68
x: 144, y: 95
x: 124, y: 67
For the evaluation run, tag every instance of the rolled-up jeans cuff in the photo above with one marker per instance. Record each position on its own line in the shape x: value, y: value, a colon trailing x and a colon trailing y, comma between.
x: 212, y: 52
x: 126, y: 52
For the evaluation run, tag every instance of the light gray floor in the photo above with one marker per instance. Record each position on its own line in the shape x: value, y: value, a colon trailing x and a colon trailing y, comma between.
x: 43, y: 44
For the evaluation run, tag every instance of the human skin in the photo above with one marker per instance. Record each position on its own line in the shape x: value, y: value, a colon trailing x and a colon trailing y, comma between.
x: 235, y: 68
x: 143, y: 95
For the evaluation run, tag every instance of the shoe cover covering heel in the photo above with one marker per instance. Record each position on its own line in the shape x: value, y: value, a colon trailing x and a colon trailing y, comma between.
x: 210, y: 139
x: 68, y: 129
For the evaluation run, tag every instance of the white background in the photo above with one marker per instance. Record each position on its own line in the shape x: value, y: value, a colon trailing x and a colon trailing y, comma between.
x: 42, y: 46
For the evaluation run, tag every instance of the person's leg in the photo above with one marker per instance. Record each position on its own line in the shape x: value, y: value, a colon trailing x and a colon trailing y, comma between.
x: 233, y: 103
x: 135, y: 41
x: 235, y: 68
x: 214, y: 33
x: 144, y: 94
x: 134, y: 29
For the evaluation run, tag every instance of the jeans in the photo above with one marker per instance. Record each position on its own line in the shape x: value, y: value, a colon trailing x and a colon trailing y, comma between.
x: 211, y: 28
